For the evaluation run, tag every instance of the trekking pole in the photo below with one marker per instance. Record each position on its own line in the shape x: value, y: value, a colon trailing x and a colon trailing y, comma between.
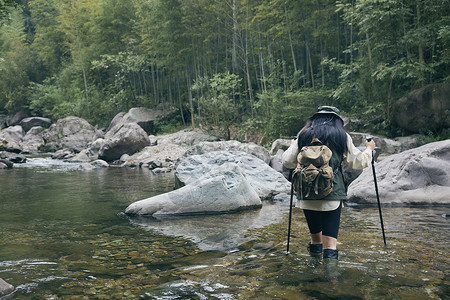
x: 376, y: 191
x: 290, y: 212
x: 290, y: 206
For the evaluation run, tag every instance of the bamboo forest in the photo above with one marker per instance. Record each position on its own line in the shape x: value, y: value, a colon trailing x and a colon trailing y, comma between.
x: 256, y: 67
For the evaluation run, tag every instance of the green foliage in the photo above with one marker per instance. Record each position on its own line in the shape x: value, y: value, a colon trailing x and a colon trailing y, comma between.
x: 283, y: 114
x: 260, y: 66
x: 218, y: 104
x: 55, y: 99
x: 5, y: 5
x: 427, y: 136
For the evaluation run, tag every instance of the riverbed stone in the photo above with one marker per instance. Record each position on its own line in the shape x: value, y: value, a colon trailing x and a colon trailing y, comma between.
x: 127, y: 138
x: 5, y: 288
x: 232, y: 145
x: 224, y: 189
x: 71, y: 133
x: 416, y: 176
x: 266, y: 181
x: 13, y: 157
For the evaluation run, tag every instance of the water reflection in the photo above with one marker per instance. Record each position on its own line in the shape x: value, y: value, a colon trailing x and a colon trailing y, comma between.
x: 215, y: 232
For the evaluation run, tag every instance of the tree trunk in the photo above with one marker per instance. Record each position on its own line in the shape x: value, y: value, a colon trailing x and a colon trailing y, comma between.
x: 235, y: 38
x: 191, y: 104
x: 290, y: 39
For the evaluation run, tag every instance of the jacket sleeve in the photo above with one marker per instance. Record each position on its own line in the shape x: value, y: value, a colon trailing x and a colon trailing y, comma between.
x: 356, y: 159
x: 289, y: 158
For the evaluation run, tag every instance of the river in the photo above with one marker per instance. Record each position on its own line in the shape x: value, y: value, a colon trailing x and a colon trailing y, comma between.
x: 63, y: 235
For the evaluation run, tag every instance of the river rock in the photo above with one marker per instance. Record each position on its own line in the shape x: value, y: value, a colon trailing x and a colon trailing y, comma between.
x: 14, y: 133
x: 185, y: 137
x: 249, y: 148
x: 224, y: 189
x: 142, y: 116
x: 31, y: 122
x: 416, y: 176
x: 385, y: 145
x: 16, y: 118
x: 276, y: 162
x: 266, y: 181
x: 278, y: 144
x: 96, y: 164
x: 5, y: 288
x: 71, y: 133
x: 125, y: 138
x: 153, y: 157
x: 427, y: 108
x: 13, y: 157
x: 83, y: 156
x: 9, y: 145
x: 33, y: 139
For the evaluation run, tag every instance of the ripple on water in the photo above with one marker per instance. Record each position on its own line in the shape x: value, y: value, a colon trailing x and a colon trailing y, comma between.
x: 43, y: 164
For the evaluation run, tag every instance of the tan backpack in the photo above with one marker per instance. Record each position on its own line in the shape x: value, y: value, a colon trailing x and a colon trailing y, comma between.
x: 313, y: 177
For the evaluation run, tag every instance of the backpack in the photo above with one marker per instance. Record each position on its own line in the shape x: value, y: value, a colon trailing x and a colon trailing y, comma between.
x: 313, y: 177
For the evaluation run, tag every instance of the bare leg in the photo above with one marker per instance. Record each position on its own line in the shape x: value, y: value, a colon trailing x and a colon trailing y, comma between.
x: 316, y: 238
x: 329, y: 242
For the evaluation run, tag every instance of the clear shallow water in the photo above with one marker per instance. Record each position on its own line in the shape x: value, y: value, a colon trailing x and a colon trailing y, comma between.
x: 63, y: 235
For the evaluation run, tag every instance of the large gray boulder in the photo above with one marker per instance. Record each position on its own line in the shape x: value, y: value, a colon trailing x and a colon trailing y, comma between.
x: 249, y: 148
x: 416, y: 176
x: 387, y: 146
x: 159, y: 156
x: 14, y: 133
x: 11, y: 139
x: 427, y: 108
x: 127, y: 138
x: 224, y: 189
x: 266, y: 181
x: 185, y: 137
x: 33, y: 139
x: 31, y: 122
x: 70, y: 133
x: 142, y: 116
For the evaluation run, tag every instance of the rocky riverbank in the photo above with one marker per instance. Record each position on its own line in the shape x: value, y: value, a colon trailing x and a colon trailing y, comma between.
x: 194, y: 154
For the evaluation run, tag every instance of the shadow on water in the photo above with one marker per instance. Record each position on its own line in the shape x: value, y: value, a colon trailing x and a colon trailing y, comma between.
x: 63, y: 235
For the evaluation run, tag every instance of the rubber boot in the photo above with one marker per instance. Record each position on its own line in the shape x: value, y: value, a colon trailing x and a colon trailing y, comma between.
x: 330, y: 259
x: 315, y: 253
x: 315, y: 250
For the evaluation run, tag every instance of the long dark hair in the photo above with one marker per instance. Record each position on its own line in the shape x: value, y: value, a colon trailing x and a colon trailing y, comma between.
x: 328, y: 128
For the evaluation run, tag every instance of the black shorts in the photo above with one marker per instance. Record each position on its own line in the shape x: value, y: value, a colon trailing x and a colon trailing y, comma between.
x: 326, y: 222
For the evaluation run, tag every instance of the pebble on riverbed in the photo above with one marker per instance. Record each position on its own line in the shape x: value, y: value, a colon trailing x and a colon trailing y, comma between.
x: 5, y: 288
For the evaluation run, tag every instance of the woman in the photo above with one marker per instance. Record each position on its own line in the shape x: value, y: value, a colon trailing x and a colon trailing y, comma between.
x: 323, y: 216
